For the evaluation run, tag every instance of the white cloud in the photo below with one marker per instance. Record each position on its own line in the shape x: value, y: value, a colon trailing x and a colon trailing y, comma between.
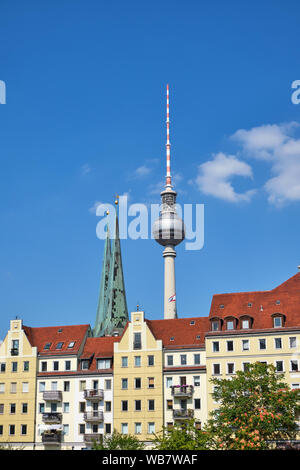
x: 93, y: 209
x: 142, y: 171
x: 214, y: 177
x: 276, y: 144
x: 85, y: 169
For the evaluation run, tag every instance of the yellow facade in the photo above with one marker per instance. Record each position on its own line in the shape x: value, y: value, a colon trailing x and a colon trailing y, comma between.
x: 227, y: 353
x: 18, y: 361
x: 138, y: 381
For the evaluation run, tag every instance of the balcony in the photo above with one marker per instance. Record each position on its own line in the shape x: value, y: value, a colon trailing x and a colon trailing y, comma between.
x: 182, y: 391
x: 52, y: 418
x: 52, y: 395
x: 94, y: 395
x: 183, y: 414
x: 51, y: 438
x: 91, y: 438
x: 93, y: 416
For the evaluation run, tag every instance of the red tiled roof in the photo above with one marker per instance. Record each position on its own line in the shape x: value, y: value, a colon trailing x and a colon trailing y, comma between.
x: 102, y: 347
x: 184, y: 333
x: 56, y: 334
x: 263, y: 304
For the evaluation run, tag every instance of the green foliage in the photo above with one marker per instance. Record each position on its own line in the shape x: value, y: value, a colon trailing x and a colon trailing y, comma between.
x: 255, y: 408
x: 181, y: 437
x: 117, y: 441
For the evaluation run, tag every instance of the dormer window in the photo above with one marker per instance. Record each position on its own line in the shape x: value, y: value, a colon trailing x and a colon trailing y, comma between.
x: 249, y: 304
x: 85, y: 364
x: 215, y: 325
x: 47, y: 345
x: 59, y: 345
x: 231, y: 323
x: 246, y: 322
x: 278, y: 320
x: 277, y: 302
x: 221, y: 306
x: 172, y: 338
x: 192, y: 322
x: 71, y: 344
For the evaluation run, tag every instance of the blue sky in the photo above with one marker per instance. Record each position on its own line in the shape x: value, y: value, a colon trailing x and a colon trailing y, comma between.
x: 84, y: 119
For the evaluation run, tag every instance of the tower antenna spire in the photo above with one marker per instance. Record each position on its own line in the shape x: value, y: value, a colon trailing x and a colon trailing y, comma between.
x: 168, y: 145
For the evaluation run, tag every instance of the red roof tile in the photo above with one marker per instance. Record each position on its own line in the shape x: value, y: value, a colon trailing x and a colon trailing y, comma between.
x: 57, y: 334
x: 183, y: 330
x: 102, y: 347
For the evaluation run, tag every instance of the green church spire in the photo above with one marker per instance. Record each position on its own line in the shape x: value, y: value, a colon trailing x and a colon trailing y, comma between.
x: 112, y: 314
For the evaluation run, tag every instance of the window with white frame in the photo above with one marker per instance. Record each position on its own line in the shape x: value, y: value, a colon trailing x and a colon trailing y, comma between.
x: 169, y: 382
x: 104, y: 364
x: 278, y: 343
x: 196, y: 359
x: 293, y: 342
x: 279, y: 366
x: 245, y: 345
x: 216, y: 369
x: 216, y: 346
x: 294, y: 365
x: 245, y: 324
x: 124, y: 428
x: 151, y: 428
x: 262, y: 343
x: 25, y: 387
x: 138, y: 428
x: 196, y: 380
x: 277, y: 322
x: 230, y: 368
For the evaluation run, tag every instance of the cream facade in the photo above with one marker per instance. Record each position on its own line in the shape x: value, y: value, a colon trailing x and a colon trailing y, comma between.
x: 18, y: 363
x: 138, y: 381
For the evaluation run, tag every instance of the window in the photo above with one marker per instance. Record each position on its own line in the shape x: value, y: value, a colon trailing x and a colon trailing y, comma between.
x: 216, y: 347
x: 1, y: 408
x: 293, y: 342
x: 124, y: 428
x: 150, y: 360
x: 151, y: 405
x: 1, y: 429
x: 192, y: 322
x: 196, y: 359
x: 44, y: 366
x: 82, y: 385
x: 11, y: 429
x: 66, y: 386
x: 197, y: 403
x: 55, y: 365
x: 137, y: 361
x: 15, y: 347
x: 183, y: 359
x: 230, y: 368
x: 66, y: 408
x: 137, y: 341
x: 25, y: 366
x: 108, y: 406
x: 229, y: 345
x: 138, y: 428
x: 41, y: 407
x: 124, y: 384
x: 53, y: 407
x: 85, y: 364
x: 170, y: 360
x: 125, y: 361
x: 67, y: 365
x: 81, y: 428
x: 47, y: 346
x: 230, y: 325
x: 249, y: 304
x: 124, y: 405
x: 13, y: 387
x: 245, y: 345
x: 108, y: 428
x: 71, y: 344
x: 137, y: 405
x: 12, y: 408
x: 245, y: 324
x: 107, y: 384
x: 14, y: 367
x: 82, y: 407
x: 23, y: 429
x: 151, y: 428
x: 278, y: 343
x: 169, y: 382
x: 137, y: 382
x: 215, y: 325
x: 25, y: 387
x: 150, y: 382
x: 246, y: 366
x: 103, y: 364
x: 295, y: 386
x: 24, y: 408
x: 169, y: 404
x: 197, y: 381
x: 2, y: 387
x: 277, y: 322
x: 2, y: 367
x: 279, y: 366
x: 54, y: 386
x: 262, y: 343
x: 66, y: 429
x: 216, y: 369
x: 294, y: 366
x: 59, y: 345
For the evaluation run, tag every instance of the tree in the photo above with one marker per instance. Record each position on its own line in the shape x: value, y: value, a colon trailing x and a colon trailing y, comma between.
x: 117, y: 441
x: 255, y: 409
x: 183, y: 436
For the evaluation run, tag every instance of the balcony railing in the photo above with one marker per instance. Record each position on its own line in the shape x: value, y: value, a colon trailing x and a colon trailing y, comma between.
x: 182, y: 391
x: 52, y: 395
x: 52, y: 417
x: 95, y: 416
x: 92, y: 437
x: 14, y: 351
x: 51, y: 438
x: 94, y: 394
x: 183, y: 414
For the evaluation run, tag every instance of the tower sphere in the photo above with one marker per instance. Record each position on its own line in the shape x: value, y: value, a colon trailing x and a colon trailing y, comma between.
x: 169, y: 228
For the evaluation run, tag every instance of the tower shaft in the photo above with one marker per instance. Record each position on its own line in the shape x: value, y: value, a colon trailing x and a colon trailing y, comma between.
x: 170, y: 310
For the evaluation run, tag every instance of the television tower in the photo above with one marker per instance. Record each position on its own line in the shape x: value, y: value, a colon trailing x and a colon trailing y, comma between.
x: 169, y: 231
